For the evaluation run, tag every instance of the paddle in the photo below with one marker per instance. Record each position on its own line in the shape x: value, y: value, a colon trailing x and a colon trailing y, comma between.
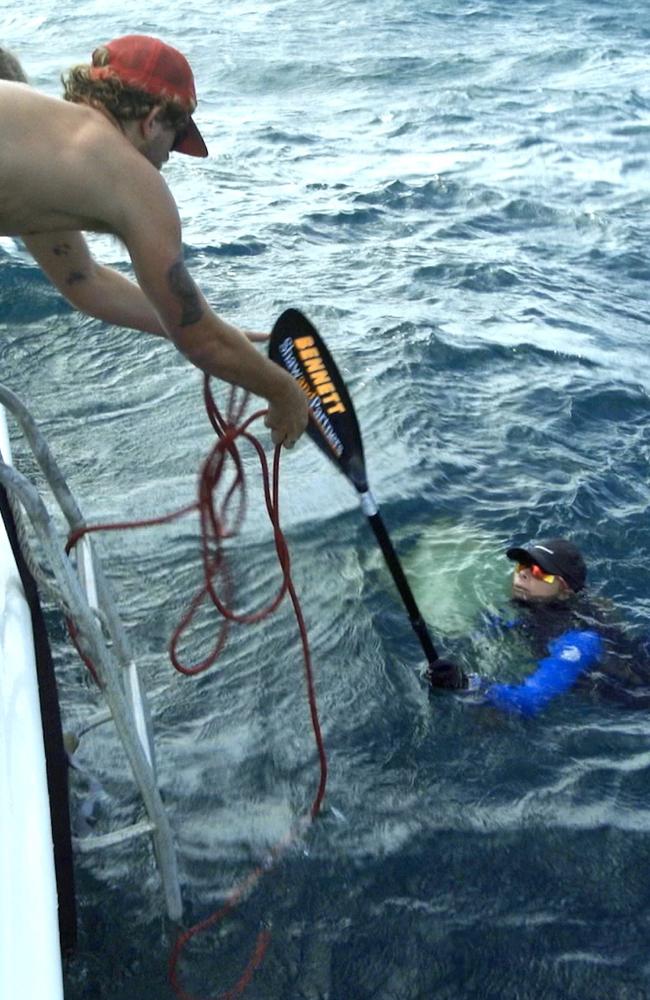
x: 296, y: 345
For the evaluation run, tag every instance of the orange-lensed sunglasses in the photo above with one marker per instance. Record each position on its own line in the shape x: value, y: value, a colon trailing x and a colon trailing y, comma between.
x: 537, y: 572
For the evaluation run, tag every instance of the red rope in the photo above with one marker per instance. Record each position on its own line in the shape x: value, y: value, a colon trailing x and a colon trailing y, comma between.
x: 220, y: 522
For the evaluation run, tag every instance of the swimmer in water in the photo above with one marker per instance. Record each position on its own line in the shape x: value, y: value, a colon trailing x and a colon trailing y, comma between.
x: 578, y: 646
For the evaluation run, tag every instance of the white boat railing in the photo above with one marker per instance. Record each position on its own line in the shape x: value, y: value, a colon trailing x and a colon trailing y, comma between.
x: 85, y: 597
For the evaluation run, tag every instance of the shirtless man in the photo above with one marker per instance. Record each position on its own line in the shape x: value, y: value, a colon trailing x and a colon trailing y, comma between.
x: 92, y: 163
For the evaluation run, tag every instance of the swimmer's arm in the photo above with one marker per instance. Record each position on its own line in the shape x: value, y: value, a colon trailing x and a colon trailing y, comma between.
x: 93, y: 288
x: 571, y: 655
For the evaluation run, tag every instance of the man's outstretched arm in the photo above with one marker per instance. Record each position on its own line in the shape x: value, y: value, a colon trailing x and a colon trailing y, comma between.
x: 168, y: 303
x: 93, y: 288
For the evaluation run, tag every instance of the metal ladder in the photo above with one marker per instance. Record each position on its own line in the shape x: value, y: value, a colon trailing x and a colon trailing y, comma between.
x: 86, y: 599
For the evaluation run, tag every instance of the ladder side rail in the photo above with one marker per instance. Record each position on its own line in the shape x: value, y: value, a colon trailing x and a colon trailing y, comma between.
x: 43, y: 456
x: 108, y: 673
x: 92, y: 574
x: 100, y: 596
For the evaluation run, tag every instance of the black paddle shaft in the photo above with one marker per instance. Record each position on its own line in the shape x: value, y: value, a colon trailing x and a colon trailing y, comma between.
x: 298, y: 347
x: 402, y: 584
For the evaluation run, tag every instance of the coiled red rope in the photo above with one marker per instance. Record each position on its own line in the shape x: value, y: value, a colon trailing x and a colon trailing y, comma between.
x: 220, y: 521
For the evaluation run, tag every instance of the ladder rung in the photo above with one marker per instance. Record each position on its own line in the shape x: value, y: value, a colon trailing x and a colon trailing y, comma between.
x: 91, y: 843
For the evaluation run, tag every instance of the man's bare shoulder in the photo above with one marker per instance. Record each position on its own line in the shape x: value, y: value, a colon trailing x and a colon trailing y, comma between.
x: 67, y: 166
x: 18, y: 100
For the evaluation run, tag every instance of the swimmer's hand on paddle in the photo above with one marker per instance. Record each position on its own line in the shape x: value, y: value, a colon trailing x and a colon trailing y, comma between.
x: 288, y: 412
x: 447, y: 675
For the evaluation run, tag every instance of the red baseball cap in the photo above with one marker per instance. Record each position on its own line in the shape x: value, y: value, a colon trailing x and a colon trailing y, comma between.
x: 158, y: 69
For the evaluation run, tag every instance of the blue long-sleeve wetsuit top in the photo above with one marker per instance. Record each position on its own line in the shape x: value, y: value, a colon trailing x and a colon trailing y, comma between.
x: 577, y: 645
x: 571, y: 654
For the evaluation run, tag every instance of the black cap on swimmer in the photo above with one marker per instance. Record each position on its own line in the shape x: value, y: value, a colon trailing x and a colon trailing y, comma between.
x: 554, y: 555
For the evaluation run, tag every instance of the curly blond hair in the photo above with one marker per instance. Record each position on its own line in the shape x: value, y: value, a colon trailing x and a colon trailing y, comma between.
x: 124, y: 102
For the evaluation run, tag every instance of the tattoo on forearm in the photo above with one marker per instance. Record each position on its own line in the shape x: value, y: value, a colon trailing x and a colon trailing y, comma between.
x: 61, y: 249
x: 185, y: 292
x: 74, y: 277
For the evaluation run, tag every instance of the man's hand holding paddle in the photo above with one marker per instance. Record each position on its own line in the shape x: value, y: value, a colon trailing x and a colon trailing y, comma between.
x: 288, y: 412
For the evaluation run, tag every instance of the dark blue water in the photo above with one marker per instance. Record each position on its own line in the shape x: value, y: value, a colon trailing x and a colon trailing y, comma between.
x: 457, y: 194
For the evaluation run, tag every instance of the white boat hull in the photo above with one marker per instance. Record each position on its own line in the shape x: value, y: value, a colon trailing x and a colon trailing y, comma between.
x: 30, y: 959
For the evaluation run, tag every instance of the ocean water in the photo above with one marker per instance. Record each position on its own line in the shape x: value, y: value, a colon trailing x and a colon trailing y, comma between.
x: 457, y: 194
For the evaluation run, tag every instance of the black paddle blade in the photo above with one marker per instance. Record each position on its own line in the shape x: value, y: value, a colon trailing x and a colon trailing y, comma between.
x: 296, y: 345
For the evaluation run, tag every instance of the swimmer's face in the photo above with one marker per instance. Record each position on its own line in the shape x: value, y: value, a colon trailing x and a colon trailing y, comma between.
x: 531, y: 583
